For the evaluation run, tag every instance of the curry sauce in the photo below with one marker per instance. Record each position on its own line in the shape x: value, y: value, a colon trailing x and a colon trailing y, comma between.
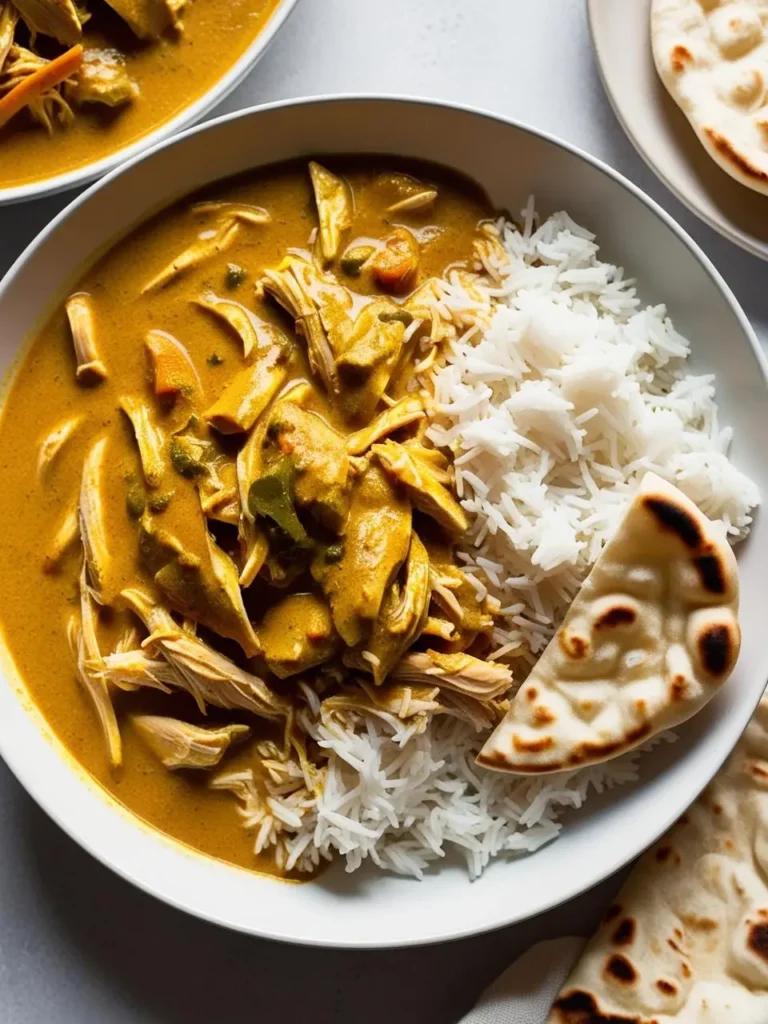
x: 307, y: 599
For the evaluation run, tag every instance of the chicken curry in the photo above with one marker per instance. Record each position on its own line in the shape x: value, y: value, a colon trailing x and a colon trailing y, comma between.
x: 79, y: 81
x: 232, y: 513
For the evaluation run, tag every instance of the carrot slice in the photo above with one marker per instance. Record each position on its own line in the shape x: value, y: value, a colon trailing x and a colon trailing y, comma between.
x: 396, y: 265
x: 173, y: 368
x: 39, y: 82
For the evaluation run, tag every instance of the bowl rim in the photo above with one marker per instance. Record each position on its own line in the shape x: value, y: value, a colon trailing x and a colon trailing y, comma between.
x: 588, y: 878
x: 185, y: 119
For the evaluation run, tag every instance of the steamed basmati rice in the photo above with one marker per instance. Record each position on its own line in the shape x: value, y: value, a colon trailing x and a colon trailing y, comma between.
x: 558, y: 392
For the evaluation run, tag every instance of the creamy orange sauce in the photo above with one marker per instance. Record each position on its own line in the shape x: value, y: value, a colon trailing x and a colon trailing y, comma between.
x: 35, y: 605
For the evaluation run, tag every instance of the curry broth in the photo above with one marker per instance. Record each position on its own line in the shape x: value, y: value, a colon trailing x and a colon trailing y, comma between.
x: 171, y: 72
x: 35, y: 605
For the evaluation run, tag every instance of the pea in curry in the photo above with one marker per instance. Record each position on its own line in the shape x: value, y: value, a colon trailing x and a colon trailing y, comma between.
x: 79, y: 81
x: 233, y: 518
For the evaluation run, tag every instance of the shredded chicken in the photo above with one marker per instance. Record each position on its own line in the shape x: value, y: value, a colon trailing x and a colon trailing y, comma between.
x: 65, y: 538
x: 149, y: 19
x: 8, y: 18
x: 181, y: 745
x: 103, y: 78
x: 334, y: 209
x: 149, y: 438
x: 422, y: 487
x: 255, y: 215
x: 45, y: 103
x: 484, y: 680
x: 57, y: 18
x: 85, y: 646
x: 401, y: 414
x: 210, y: 677
x: 90, y: 368
x: 253, y: 333
x: 403, y: 614
x: 53, y: 443
x: 93, y: 528
x: 205, y: 248
x: 288, y: 286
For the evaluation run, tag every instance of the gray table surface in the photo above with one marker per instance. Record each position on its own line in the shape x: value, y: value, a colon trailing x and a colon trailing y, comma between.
x: 80, y: 946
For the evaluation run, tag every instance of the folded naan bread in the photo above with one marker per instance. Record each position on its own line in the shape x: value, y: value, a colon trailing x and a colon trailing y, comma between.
x: 712, y: 56
x: 687, y: 938
x: 648, y: 640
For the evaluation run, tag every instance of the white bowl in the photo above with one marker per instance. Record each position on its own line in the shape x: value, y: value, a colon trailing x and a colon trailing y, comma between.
x: 510, y: 161
x: 188, y: 116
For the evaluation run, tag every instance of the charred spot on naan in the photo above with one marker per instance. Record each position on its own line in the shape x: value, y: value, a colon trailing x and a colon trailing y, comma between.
x: 698, y: 923
x: 573, y: 646
x: 675, y: 519
x: 757, y: 939
x: 619, y: 615
x: 718, y: 646
x: 533, y: 746
x: 624, y: 934
x: 732, y: 157
x: 667, y: 988
x: 620, y: 969
x: 543, y: 716
x: 712, y: 573
x: 678, y: 688
x: 680, y: 58
x: 585, y: 753
x: 578, y: 1007
x: 588, y: 751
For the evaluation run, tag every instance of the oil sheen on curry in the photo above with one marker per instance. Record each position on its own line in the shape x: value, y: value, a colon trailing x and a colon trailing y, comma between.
x: 231, y: 511
x: 79, y: 81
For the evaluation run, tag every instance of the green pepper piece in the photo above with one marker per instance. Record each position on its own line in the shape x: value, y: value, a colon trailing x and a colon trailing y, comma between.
x: 272, y: 497
x: 183, y: 462
x: 353, y: 260
x: 401, y: 316
x: 234, y: 276
x: 159, y: 502
x: 135, y: 501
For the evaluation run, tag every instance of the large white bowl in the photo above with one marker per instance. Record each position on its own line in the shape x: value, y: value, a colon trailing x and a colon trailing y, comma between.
x: 511, y: 161
x: 188, y: 116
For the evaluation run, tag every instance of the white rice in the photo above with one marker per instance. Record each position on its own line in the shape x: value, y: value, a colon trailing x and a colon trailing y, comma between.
x: 558, y: 393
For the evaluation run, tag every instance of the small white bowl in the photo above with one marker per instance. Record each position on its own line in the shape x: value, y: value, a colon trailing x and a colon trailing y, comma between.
x: 510, y: 161
x: 184, y: 119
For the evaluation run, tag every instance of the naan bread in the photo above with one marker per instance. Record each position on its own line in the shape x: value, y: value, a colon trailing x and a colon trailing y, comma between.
x: 648, y: 640
x: 712, y: 56
x: 687, y: 939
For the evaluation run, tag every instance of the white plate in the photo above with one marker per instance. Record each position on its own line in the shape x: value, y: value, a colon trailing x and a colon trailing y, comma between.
x: 660, y: 131
x: 511, y: 161
x: 188, y: 116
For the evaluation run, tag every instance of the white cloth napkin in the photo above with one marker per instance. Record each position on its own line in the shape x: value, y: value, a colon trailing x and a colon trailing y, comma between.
x: 524, y: 993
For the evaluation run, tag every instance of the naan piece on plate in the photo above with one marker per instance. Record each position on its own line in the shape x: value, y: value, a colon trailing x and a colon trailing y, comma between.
x: 648, y: 640
x: 712, y: 55
x: 686, y: 941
